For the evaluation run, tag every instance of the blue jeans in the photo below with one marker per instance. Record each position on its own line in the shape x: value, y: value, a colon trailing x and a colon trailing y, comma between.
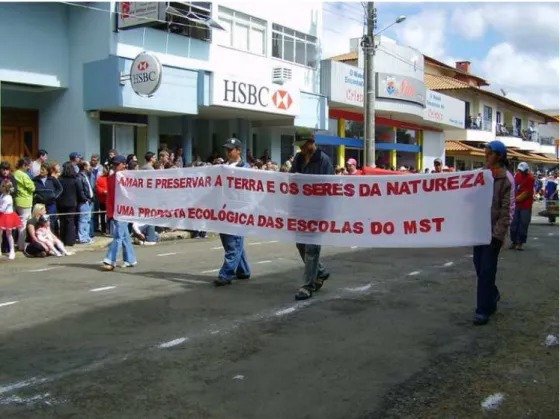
x: 235, y: 259
x: 485, y: 260
x: 520, y: 226
x: 84, y: 222
x: 150, y: 233
x: 121, y: 237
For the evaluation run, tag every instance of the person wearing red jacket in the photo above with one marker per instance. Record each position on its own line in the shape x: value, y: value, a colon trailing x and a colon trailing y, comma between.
x: 524, y: 183
x: 119, y: 229
x: 101, y: 190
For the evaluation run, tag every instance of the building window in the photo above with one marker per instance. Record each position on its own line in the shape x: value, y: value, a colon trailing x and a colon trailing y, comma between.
x: 243, y: 32
x: 487, y: 118
x: 191, y: 19
x: 406, y: 136
x: 294, y: 46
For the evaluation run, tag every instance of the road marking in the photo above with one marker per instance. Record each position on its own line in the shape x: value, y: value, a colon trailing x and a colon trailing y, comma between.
x: 9, y: 303
x: 167, y: 254
x: 103, y: 288
x: 468, y: 256
x: 211, y: 271
x: 535, y: 238
x: 414, y: 273
x: 255, y: 243
x: 238, y: 377
x: 191, y: 281
x: 448, y: 264
x: 359, y: 289
x: 172, y: 343
x: 264, y: 261
x: 43, y: 269
x: 270, y: 242
x: 285, y: 311
x: 354, y: 247
x: 551, y: 234
x: 217, y: 248
x: 492, y: 401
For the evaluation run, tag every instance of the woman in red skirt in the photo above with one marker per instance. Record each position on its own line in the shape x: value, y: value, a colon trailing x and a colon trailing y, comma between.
x: 9, y: 220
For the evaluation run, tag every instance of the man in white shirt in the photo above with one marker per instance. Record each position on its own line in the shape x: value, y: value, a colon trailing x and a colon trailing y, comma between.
x: 42, y: 157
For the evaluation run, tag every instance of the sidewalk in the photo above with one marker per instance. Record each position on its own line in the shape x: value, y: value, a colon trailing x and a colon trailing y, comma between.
x: 101, y: 242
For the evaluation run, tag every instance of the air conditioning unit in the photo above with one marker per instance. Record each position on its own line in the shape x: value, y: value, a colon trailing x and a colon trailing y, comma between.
x: 281, y: 75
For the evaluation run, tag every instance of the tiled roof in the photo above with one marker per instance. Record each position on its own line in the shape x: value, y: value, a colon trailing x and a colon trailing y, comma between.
x: 349, y: 56
x: 434, y: 82
x: 458, y: 147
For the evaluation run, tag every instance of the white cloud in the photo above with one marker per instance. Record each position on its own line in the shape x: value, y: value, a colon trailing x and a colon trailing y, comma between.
x: 424, y: 31
x: 530, y: 27
x: 526, y: 78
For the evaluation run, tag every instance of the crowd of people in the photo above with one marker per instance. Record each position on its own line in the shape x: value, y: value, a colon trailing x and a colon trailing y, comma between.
x: 41, y: 201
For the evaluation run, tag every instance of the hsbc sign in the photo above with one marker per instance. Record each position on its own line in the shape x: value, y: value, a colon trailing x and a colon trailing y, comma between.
x: 232, y: 92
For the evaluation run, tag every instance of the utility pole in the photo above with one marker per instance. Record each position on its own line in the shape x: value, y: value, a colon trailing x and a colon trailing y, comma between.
x: 368, y: 46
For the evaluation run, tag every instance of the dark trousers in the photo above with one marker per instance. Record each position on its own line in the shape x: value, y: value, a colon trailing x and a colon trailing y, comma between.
x: 34, y: 249
x: 485, y: 260
x: 520, y: 226
x: 51, y: 211
x: 311, y: 256
x: 67, y: 226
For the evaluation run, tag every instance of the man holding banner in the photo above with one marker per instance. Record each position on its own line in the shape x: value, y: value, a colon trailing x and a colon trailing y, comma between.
x: 235, y: 264
x: 312, y: 161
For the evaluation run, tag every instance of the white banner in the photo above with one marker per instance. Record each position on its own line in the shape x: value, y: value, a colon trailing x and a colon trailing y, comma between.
x: 426, y: 210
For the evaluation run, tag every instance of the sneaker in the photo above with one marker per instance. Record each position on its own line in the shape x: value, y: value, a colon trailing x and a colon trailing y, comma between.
x: 107, y: 268
x: 12, y: 255
x: 70, y: 253
x: 129, y: 265
x: 480, y: 320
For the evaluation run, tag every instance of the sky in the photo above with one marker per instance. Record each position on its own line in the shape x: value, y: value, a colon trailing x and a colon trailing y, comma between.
x: 514, y: 46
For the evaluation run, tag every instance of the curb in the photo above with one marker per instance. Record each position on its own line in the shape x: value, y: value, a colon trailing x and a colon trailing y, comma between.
x: 102, y: 242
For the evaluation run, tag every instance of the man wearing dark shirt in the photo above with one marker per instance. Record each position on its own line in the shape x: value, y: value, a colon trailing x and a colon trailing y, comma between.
x: 310, y: 160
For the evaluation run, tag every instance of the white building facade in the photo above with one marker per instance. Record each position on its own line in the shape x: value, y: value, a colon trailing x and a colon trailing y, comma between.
x: 248, y: 70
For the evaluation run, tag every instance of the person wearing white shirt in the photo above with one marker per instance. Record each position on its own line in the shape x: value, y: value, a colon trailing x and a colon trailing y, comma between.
x: 42, y: 157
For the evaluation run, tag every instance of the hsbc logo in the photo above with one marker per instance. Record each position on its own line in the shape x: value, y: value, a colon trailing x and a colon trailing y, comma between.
x: 253, y: 95
x: 282, y: 100
x: 142, y: 66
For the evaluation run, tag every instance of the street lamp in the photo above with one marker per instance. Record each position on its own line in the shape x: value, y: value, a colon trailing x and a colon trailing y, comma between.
x: 368, y: 45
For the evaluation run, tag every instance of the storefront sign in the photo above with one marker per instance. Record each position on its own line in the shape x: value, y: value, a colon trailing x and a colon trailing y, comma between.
x: 145, y: 74
x: 390, y: 86
x: 233, y: 92
x: 139, y: 13
x: 444, y: 109
x: 346, y: 84
x: 440, y: 210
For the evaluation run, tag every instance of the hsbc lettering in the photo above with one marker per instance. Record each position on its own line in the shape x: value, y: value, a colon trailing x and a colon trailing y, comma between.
x: 144, y: 77
x: 246, y: 93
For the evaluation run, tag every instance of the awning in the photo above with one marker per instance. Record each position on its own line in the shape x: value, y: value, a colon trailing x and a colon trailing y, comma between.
x: 459, y: 148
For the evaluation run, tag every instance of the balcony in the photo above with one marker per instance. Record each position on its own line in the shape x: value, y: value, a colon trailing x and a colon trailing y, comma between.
x: 476, y: 131
x: 527, y: 140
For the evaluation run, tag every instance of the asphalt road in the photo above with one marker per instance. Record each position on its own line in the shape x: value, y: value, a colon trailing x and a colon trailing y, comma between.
x: 389, y: 336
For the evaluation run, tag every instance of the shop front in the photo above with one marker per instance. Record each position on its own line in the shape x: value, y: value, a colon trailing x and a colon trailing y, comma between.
x: 264, y: 116
x: 409, y: 119
x: 133, y: 101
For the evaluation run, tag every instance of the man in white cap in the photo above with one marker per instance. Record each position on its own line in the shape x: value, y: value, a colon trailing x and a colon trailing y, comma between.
x: 524, y: 183
x: 351, y: 167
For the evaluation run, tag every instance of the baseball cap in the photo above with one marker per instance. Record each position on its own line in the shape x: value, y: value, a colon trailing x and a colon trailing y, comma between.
x: 75, y: 155
x: 352, y: 161
x: 523, y: 167
x: 118, y: 160
x: 437, y: 161
x: 497, y: 147
x: 233, y: 143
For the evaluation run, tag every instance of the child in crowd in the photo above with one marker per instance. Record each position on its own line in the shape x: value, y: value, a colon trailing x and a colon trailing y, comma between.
x: 46, y: 237
x: 9, y: 220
